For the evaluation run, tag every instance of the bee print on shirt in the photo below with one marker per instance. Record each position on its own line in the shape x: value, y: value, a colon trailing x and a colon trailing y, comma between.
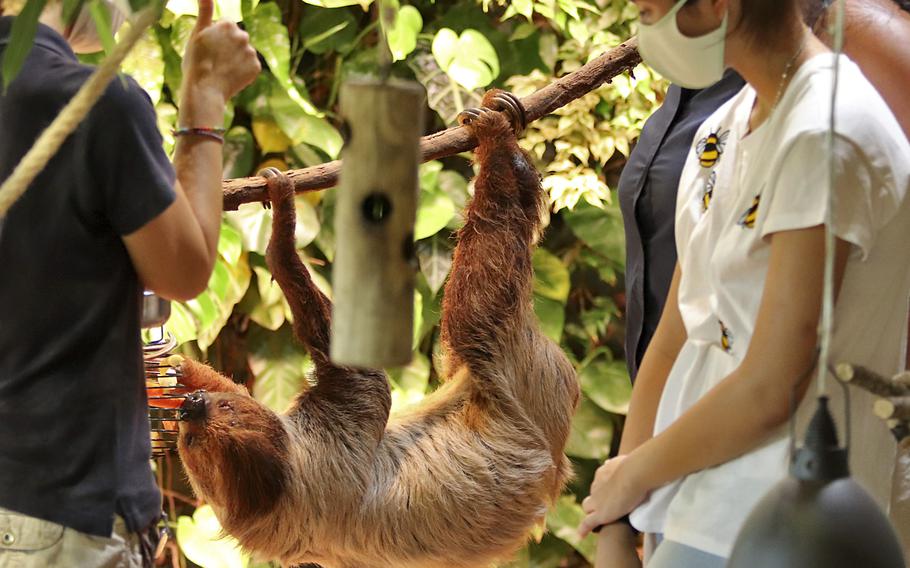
x: 726, y: 338
x: 747, y: 219
x: 708, y: 192
x: 710, y: 148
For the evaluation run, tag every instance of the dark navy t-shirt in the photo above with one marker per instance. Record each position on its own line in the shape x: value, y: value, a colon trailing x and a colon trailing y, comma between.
x: 74, y: 430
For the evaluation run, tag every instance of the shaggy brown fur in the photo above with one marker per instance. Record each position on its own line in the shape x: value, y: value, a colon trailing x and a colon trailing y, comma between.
x: 458, y: 481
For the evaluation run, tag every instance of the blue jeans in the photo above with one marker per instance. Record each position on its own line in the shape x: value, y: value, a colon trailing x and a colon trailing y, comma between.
x: 671, y: 554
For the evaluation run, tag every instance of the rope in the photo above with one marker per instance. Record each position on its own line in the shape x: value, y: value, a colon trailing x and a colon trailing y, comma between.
x: 47, y: 144
x: 827, y: 320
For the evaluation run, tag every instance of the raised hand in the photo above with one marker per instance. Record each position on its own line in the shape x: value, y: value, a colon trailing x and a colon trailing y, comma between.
x: 218, y: 63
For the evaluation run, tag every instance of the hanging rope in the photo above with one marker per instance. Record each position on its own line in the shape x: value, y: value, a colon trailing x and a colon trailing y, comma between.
x: 827, y: 321
x: 73, y: 113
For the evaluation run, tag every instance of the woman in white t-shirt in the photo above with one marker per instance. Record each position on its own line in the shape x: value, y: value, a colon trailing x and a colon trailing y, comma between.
x: 738, y: 333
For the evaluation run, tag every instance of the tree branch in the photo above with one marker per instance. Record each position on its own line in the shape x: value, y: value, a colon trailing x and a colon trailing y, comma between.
x: 454, y: 140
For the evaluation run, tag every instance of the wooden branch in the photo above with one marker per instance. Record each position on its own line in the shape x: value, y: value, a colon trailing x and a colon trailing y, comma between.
x: 872, y: 381
x: 454, y: 140
x: 893, y: 408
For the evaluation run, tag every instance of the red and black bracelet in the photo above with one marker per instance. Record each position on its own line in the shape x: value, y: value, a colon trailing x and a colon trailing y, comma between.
x: 216, y: 134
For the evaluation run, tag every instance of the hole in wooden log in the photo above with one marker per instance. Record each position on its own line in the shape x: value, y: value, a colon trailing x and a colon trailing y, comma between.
x: 344, y: 129
x: 376, y: 208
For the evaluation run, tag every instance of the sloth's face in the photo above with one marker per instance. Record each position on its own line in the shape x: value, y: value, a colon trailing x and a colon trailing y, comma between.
x: 235, y: 451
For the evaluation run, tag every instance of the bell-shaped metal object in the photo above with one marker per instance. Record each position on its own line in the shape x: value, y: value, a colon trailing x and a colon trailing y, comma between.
x: 819, y: 517
x: 155, y: 310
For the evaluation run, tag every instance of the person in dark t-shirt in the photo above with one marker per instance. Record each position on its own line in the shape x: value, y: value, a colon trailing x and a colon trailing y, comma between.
x: 107, y: 216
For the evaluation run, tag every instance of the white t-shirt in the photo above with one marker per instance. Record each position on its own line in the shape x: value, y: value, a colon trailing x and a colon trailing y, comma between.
x: 735, y: 191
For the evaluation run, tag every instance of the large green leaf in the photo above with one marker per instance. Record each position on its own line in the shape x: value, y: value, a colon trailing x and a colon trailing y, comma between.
x: 280, y: 366
x: 436, y: 208
x: 300, y: 125
x: 552, y: 316
x: 402, y: 36
x: 203, y: 541
x: 20, y: 41
x: 254, y: 223
x: 326, y: 30
x: 592, y: 432
x: 600, y: 229
x: 237, y: 153
x: 435, y: 255
x: 606, y: 383
x: 551, y: 277
x: 227, y: 285
x: 563, y: 520
x: 145, y: 64
x: 340, y: 3
x: 469, y: 59
x: 270, y: 38
x: 264, y: 303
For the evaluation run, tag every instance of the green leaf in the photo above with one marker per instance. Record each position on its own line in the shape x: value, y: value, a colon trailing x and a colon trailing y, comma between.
x: 436, y: 208
x: 237, y: 153
x: 606, y: 383
x: 202, y: 540
x: 592, y: 432
x: 20, y: 40
x: 254, y: 223
x: 563, y: 520
x: 264, y: 303
x: 181, y: 324
x: 409, y: 383
x: 435, y: 255
x: 230, y: 245
x: 551, y: 277
x: 302, y: 126
x: 552, y: 316
x: 402, y: 36
x: 600, y: 229
x: 101, y: 16
x: 280, y: 366
x: 145, y: 64
x: 469, y: 59
x: 327, y: 30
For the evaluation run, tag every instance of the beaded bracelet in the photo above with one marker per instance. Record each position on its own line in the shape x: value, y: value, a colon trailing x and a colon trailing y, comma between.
x: 216, y: 134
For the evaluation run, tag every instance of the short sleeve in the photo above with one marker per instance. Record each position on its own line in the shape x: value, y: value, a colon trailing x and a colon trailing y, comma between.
x: 865, y: 197
x: 128, y: 158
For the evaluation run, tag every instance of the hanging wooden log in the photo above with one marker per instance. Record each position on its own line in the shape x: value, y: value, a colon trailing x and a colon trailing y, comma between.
x: 454, y: 140
x: 375, y: 266
x: 871, y: 381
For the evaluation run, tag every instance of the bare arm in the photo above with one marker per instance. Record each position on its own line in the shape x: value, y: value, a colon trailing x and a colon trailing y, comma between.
x: 616, y: 542
x: 754, y: 400
x: 655, y: 368
x: 175, y: 252
x: 750, y: 403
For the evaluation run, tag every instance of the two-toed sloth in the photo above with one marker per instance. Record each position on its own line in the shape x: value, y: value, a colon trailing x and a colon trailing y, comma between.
x: 458, y: 481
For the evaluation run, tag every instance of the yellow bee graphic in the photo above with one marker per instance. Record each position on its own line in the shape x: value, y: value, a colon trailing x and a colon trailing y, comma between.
x: 726, y: 338
x: 711, y: 147
x: 747, y: 219
x: 708, y: 192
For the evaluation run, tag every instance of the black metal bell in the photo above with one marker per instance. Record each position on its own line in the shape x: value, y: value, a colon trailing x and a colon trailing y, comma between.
x: 819, y: 517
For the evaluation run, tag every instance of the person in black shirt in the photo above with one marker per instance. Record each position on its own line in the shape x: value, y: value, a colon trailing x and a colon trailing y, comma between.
x: 108, y: 215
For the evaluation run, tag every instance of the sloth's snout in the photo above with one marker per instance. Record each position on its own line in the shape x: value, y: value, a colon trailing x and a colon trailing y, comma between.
x: 194, y: 406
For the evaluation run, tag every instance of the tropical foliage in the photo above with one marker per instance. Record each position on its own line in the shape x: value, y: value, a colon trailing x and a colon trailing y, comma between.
x: 456, y: 49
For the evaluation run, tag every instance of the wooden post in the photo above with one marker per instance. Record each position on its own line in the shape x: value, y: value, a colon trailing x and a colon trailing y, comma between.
x: 374, y: 271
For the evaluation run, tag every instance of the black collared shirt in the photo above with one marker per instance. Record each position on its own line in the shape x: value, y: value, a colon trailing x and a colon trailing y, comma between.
x: 74, y: 429
x: 647, y: 198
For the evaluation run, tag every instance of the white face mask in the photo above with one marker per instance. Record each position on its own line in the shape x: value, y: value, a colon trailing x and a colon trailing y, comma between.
x: 690, y: 62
